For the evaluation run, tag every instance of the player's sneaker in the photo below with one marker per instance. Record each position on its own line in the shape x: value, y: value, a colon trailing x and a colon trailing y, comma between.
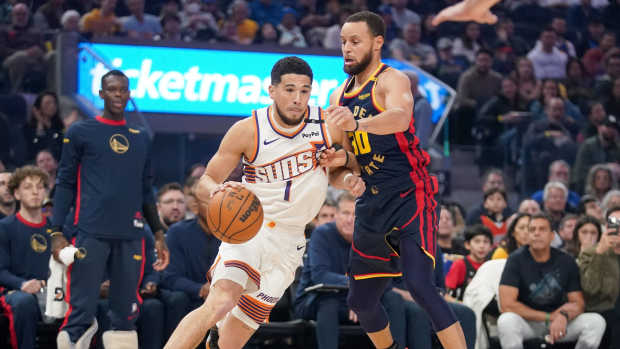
x: 213, y: 338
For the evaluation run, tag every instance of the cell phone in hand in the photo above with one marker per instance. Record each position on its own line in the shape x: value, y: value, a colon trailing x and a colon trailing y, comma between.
x: 613, y: 224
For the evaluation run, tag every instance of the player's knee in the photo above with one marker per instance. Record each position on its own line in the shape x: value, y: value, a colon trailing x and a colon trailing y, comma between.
x: 223, y: 297
x: 360, y: 303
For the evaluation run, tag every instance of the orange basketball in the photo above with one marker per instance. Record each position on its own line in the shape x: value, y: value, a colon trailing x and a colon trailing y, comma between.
x: 233, y: 216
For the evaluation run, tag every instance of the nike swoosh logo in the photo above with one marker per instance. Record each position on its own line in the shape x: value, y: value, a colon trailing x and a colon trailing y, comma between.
x: 266, y: 142
x: 300, y: 247
x: 403, y: 195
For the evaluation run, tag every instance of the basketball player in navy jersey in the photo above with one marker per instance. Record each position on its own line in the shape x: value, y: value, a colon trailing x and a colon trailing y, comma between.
x: 397, y: 216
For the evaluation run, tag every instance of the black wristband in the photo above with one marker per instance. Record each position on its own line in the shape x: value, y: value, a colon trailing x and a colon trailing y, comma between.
x: 346, y: 154
x: 357, y: 125
x: 565, y: 314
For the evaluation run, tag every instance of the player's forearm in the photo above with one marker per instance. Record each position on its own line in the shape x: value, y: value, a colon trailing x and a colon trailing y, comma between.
x: 63, y: 198
x: 391, y: 121
x: 336, y: 177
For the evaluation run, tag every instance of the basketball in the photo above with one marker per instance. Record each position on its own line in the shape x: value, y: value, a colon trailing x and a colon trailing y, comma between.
x: 233, y: 216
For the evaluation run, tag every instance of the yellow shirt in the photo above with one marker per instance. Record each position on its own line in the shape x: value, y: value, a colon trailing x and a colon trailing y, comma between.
x: 247, y: 29
x: 94, y: 22
x: 500, y: 253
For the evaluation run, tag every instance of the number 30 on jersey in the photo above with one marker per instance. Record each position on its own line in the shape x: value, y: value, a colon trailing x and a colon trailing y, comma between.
x: 360, y: 142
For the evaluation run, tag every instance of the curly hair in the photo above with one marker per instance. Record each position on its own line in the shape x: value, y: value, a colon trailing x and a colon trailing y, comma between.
x: 24, y: 172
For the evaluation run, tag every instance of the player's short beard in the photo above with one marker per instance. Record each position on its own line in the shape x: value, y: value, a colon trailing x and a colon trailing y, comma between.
x: 361, y: 66
x: 288, y: 121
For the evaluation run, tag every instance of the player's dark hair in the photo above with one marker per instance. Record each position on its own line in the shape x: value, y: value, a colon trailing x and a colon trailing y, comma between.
x: 24, y: 172
x: 509, y: 243
x: 290, y: 65
x: 114, y: 72
x: 478, y: 229
x: 492, y: 191
x: 168, y: 187
x: 375, y: 23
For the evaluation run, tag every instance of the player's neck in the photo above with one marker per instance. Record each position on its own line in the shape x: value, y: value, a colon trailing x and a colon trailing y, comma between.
x: 540, y: 256
x: 365, y: 75
x: 34, y: 216
x: 110, y: 116
x: 278, y: 120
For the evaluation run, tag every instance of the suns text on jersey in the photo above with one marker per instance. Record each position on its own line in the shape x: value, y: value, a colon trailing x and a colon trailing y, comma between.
x: 283, y: 169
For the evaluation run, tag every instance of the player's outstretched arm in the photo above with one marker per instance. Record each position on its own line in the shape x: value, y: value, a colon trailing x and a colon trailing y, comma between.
x: 236, y: 142
x: 393, y: 91
x: 468, y: 10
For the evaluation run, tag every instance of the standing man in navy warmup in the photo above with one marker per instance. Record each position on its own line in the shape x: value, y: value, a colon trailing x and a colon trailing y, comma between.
x: 397, y: 216
x: 105, y: 171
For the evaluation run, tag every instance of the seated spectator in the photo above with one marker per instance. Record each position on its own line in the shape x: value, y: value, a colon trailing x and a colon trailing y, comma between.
x: 47, y: 17
x: 454, y: 247
x: 530, y: 87
x: 555, y: 195
x: 529, y: 206
x: 516, y: 236
x: 101, y: 22
x: 578, y: 85
x: 612, y: 199
x: 392, y: 31
x: 492, y: 178
x: 423, y: 122
x: 402, y: 16
x: 171, y: 29
x: 590, y: 206
x: 7, y: 201
x: 469, y: 43
x: 599, y: 181
x: 327, y: 213
x: 494, y: 203
x: 549, y: 62
x: 505, y: 37
x: 559, y: 171
x: 449, y: 68
x: 596, y: 115
x: 328, y: 260
x: 566, y: 230
x: 604, y: 84
x: 600, y: 149
x: 140, y: 25
x: 70, y: 21
x: 22, y: 51
x: 266, y: 11
x: 44, y: 129
x: 419, y: 326
x: 552, y: 89
x: 196, y: 21
x: 332, y: 39
x: 599, y: 268
x: 547, y: 301
x: 290, y: 32
x: 239, y: 28
x: 499, y: 126
x: 558, y: 24
x: 475, y: 87
x: 478, y: 240
x: 410, y: 49
x: 545, y: 141
x: 269, y: 35
x: 24, y: 256
x: 587, y: 233
x: 171, y: 204
x: 185, y: 283
x: 591, y: 37
x: 191, y: 203
x: 45, y: 160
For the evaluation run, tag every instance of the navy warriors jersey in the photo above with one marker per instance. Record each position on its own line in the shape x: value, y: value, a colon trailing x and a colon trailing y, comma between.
x: 24, y: 251
x: 105, y: 171
x: 391, y: 162
x: 284, y: 172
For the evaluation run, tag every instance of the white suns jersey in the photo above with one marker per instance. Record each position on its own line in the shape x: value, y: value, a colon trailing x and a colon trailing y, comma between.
x: 284, y: 173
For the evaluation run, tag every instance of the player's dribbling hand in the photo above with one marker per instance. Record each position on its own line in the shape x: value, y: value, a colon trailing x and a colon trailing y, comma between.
x: 226, y: 186
x: 355, y: 185
x: 332, y: 158
x: 163, y: 255
x: 204, y: 290
x: 468, y: 10
x: 341, y: 117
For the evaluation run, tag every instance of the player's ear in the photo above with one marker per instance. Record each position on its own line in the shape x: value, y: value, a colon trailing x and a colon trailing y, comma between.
x: 379, y: 41
x: 101, y: 93
x: 272, y: 90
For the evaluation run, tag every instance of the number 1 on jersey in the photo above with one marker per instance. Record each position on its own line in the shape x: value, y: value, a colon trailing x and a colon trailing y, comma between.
x: 287, y: 190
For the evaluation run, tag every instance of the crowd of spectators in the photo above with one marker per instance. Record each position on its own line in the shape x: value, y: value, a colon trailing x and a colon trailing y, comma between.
x: 538, y: 97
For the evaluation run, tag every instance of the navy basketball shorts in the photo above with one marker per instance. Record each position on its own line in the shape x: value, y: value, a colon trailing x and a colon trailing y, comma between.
x: 382, y: 219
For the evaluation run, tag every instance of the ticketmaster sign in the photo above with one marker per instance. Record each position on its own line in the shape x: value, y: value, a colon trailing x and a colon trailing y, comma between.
x: 175, y: 80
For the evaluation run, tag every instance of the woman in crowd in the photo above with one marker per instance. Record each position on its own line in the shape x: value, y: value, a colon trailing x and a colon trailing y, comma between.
x: 469, y: 43
x: 529, y: 86
x: 600, y: 180
x: 552, y: 89
x: 586, y: 234
x: 516, y: 236
x: 44, y: 128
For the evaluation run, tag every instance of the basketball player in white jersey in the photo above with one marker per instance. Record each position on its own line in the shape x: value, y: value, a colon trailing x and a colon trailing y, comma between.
x: 279, y: 146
